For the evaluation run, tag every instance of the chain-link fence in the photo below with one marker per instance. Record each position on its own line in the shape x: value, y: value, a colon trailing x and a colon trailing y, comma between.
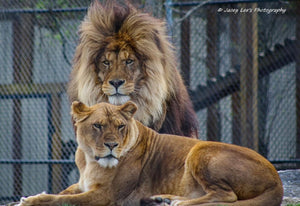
x: 37, y: 144
x: 240, y: 61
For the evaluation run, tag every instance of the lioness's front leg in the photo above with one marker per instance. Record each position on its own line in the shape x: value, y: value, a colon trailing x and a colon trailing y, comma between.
x: 93, y: 197
x: 73, y: 189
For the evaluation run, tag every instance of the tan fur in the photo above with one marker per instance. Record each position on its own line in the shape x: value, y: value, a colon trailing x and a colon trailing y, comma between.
x: 183, y: 170
x: 117, y: 42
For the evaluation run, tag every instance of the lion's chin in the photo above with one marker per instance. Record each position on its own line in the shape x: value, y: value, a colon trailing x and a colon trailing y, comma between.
x: 108, y: 162
x: 118, y: 99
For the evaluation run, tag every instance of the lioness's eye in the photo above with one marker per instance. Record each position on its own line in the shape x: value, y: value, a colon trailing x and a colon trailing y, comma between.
x: 129, y: 61
x: 121, y: 126
x: 97, y: 126
x: 106, y: 63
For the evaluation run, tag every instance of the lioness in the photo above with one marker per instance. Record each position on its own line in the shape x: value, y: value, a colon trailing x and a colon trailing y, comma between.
x: 121, y: 161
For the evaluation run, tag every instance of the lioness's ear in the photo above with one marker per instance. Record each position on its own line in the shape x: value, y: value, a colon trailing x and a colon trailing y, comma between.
x: 128, y: 109
x: 80, y: 111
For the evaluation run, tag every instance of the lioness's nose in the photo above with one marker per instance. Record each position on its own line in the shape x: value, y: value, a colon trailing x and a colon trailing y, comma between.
x: 117, y: 82
x: 111, y: 145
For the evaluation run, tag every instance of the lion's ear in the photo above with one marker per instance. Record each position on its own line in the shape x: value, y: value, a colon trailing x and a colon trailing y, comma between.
x: 80, y: 111
x: 128, y: 109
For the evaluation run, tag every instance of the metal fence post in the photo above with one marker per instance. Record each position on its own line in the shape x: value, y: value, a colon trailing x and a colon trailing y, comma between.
x: 249, y: 78
x: 23, y: 41
x: 298, y: 81
x: 213, y: 123
x: 185, y: 57
x: 169, y: 17
x: 235, y: 64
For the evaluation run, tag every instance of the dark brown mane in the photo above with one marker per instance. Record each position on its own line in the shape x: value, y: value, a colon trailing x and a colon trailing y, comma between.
x: 180, y: 118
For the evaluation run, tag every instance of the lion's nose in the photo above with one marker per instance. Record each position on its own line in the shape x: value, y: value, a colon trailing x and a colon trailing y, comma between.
x: 116, y: 82
x: 111, y: 145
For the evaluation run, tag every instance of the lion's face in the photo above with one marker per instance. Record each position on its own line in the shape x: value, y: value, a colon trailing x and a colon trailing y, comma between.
x: 105, y: 132
x: 119, y: 71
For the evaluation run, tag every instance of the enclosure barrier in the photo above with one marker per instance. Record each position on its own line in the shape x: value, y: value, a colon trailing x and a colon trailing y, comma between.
x: 241, y: 65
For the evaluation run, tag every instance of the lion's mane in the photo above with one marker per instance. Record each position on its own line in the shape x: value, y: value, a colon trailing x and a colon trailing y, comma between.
x: 161, y: 96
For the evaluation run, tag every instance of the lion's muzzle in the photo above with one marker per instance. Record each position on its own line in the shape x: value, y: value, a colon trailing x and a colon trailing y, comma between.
x: 118, y: 99
x: 116, y: 83
x: 111, y: 145
x: 109, y: 161
x: 109, y: 158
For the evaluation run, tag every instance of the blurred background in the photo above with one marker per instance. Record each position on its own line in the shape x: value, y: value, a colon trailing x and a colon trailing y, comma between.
x: 240, y: 61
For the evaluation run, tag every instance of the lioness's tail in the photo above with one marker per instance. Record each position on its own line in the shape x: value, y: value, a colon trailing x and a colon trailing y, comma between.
x: 271, y: 197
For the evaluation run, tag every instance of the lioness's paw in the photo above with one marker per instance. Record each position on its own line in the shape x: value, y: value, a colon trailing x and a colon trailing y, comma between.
x: 155, y: 201
x: 176, y: 203
x: 23, y: 202
x: 163, y: 201
x: 27, y: 201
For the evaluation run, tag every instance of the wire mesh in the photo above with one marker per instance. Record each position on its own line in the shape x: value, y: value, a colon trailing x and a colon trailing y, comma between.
x: 217, y: 36
x: 38, y: 39
x: 37, y: 43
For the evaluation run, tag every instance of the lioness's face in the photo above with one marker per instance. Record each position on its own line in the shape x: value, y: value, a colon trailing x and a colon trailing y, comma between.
x: 105, y: 132
x: 119, y: 71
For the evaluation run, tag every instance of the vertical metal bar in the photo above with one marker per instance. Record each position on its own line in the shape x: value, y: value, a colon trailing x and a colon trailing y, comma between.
x: 49, y: 141
x: 56, y: 142
x: 169, y: 17
x: 213, y: 123
x: 17, y: 113
x: 23, y: 48
x: 298, y: 81
x: 185, y: 58
x: 17, y: 146
x: 235, y: 64
x: 249, y: 79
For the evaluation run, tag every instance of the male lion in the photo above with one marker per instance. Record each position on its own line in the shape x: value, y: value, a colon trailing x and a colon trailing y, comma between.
x: 124, y: 55
x: 121, y: 161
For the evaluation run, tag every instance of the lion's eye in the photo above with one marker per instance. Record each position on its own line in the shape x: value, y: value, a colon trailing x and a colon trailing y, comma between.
x: 97, y: 126
x: 121, y: 126
x: 129, y: 61
x: 106, y: 63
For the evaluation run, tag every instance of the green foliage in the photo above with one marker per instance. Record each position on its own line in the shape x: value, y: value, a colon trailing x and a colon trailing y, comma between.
x: 50, y: 4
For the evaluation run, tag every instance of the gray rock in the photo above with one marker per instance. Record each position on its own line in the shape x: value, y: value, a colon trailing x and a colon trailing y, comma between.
x: 291, y: 186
